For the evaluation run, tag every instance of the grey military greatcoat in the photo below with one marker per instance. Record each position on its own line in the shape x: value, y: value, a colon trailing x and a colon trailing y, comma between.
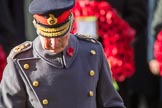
x: 36, y: 78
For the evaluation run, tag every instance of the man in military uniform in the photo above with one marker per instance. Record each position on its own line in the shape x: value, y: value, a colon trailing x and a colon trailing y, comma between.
x: 57, y: 69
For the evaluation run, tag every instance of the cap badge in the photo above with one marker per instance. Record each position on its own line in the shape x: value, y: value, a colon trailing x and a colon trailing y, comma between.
x: 52, y: 20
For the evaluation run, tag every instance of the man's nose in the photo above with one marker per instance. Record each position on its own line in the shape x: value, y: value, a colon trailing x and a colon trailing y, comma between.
x: 54, y: 41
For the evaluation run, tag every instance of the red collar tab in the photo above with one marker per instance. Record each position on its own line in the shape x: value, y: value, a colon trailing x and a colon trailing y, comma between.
x: 52, y: 20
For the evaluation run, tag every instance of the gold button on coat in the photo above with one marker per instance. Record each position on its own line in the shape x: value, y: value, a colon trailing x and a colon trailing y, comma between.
x: 35, y: 83
x: 26, y: 66
x: 93, y: 52
x: 91, y: 93
x: 45, y: 101
x: 91, y: 73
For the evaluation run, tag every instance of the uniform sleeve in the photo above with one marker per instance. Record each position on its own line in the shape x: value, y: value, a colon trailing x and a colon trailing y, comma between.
x: 11, y: 89
x: 107, y: 96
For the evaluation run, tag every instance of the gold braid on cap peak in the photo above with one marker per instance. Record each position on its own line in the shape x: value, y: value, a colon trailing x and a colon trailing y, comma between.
x: 53, y: 31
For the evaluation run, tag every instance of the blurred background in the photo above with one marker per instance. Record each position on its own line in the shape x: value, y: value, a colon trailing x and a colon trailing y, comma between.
x: 140, y: 89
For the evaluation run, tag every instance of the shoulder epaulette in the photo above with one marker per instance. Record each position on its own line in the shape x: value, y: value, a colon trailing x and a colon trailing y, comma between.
x: 86, y: 37
x: 20, y: 48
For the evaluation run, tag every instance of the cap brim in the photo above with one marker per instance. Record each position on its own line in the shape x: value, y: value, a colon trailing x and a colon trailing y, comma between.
x: 55, y: 32
x: 45, y: 32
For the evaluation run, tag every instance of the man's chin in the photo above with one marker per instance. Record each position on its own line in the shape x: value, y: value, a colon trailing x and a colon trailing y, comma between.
x: 55, y: 51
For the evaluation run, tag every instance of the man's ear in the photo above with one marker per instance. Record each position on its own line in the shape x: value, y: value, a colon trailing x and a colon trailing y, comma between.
x: 35, y: 24
x: 72, y: 21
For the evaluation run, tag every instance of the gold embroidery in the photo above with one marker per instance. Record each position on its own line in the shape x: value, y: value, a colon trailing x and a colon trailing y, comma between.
x: 53, y: 32
x: 44, y: 29
x: 52, y: 20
